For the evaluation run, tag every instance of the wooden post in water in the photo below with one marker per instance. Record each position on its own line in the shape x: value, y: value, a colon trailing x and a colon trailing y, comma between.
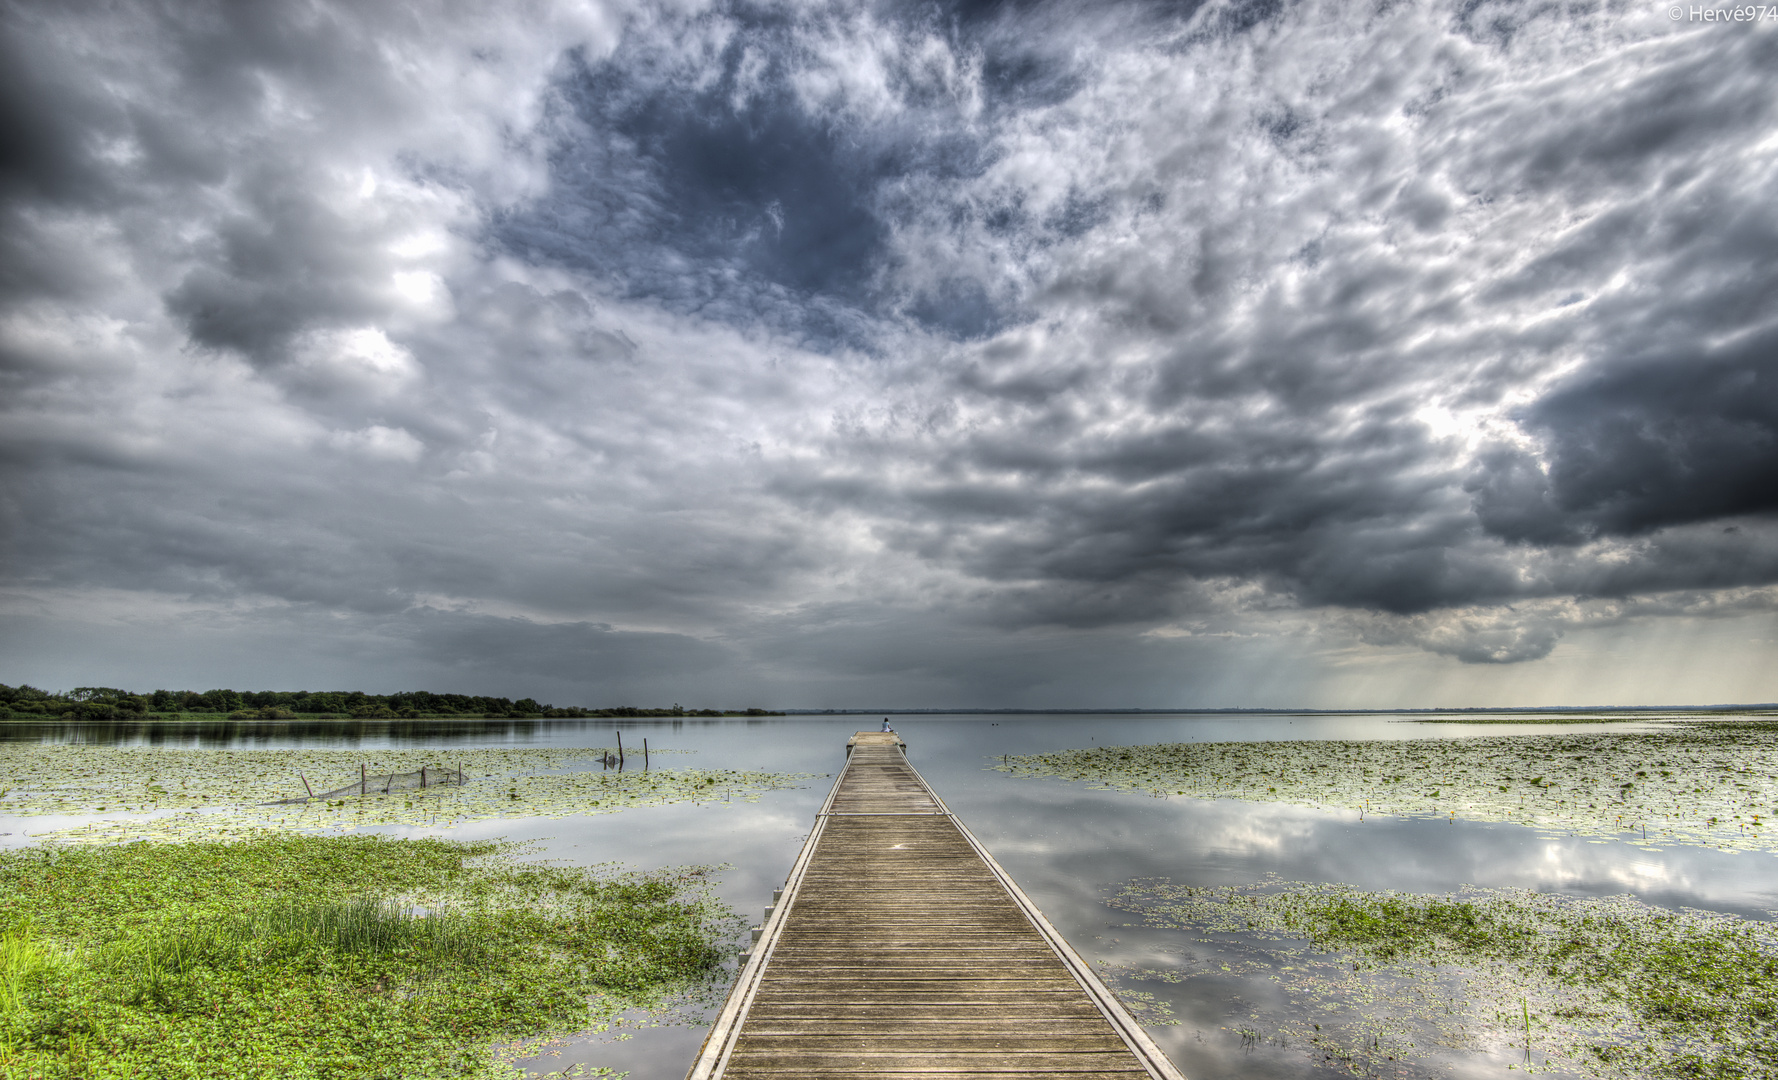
x: 645, y: 754
x: 422, y: 778
x: 620, y: 751
x: 306, y: 786
x: 363, y: 778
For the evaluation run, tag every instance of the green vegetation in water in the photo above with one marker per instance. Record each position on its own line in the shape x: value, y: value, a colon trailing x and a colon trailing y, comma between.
x: 184, y: 794
x: 26, y: 702
x: 1710, y: 782
x: 1617, y: 719
x: 1687, y: 715
x: 1604, y: 987
x: 308, y: 956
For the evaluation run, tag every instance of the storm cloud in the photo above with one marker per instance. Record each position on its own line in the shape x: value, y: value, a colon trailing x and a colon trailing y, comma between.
x: 1029, y: 353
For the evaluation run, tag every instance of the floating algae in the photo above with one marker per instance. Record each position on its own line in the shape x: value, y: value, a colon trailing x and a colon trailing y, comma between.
x: 337, y: 956
x: 1616, y: 718
x: 1735, y: 716
x: 1713, y: 783
x: 186, y: 794
x: 1375, y: 982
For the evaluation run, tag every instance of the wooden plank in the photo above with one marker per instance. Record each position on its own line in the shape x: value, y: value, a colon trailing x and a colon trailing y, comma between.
x: 966, y: 958
x: 900, y: 948
x: 843, y: 1014
x: 1022, y: 960
x: 744, y: 1073
x: 870, y: 1062
x: 915, y: 1027
x: 892, y: 996
x: 914, y: 1043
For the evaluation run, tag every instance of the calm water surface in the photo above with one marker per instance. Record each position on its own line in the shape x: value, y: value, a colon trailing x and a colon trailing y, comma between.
x: 1067, y: 846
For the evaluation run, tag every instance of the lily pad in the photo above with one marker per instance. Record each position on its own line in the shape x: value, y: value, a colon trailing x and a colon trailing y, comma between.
x: 190, y: 794
x: 1711, y: 783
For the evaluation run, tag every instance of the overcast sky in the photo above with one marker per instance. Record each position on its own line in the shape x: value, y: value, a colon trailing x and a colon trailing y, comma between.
x: 1328, y: 353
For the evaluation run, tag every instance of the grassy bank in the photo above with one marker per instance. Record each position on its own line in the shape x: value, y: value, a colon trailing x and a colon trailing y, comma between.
x: 1702, y: 782
x: 1611, y: 988
x: 330, y: 957
x: 216, y: 793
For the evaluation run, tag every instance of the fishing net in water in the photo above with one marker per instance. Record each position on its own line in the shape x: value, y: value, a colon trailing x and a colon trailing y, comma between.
x: 428, y: 776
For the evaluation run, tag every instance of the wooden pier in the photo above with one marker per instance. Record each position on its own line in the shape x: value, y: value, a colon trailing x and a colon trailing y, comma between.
x: 898, y: 947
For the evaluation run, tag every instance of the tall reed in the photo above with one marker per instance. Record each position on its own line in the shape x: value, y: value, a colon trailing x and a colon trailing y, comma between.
x: 359, y: 924
x: 22, y: 958
x: 350, y: 925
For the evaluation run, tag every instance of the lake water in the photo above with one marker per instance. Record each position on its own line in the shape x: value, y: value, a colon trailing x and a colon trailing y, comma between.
x: 1065, y: 844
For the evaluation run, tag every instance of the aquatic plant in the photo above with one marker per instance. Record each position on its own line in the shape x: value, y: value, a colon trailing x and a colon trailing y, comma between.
x: 1610, y: 987
x: 24, y: 959
x: 314, y: 956
x: 192, y: 794
x: 1710, y: 782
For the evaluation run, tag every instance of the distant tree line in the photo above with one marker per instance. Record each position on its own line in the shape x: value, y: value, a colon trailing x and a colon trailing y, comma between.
x: 109, y: 703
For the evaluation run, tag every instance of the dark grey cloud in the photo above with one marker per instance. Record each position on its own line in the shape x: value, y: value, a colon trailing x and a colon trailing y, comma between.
x: 283, y: 267
x: 1279, y: 434
x: 984, y: 350
x: 760, y: 182
x: 691, y: 171
x: 41, y: 156
x: 730, y: 164
x: 1642, y: 446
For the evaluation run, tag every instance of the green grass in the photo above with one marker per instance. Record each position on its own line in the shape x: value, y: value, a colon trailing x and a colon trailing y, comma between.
x: 24, y: 960
x: 329, y: 957
x: 1612, y: 988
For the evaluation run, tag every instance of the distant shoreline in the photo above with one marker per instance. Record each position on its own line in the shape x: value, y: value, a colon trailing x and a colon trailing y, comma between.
x: 1543, y: 712
x: 336, y: 718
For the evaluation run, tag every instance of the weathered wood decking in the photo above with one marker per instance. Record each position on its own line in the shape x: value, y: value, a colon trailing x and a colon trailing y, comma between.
x: 899, y: 948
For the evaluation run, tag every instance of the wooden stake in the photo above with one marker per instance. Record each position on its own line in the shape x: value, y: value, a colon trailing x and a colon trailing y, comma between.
x: 363, y: 778
x: 645, y: 754
x: 422, y: 778
x: 306, y: 786
x: 620, y: 751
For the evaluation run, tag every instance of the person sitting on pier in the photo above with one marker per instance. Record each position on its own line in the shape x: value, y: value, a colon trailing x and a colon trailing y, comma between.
x: 886, y: 726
